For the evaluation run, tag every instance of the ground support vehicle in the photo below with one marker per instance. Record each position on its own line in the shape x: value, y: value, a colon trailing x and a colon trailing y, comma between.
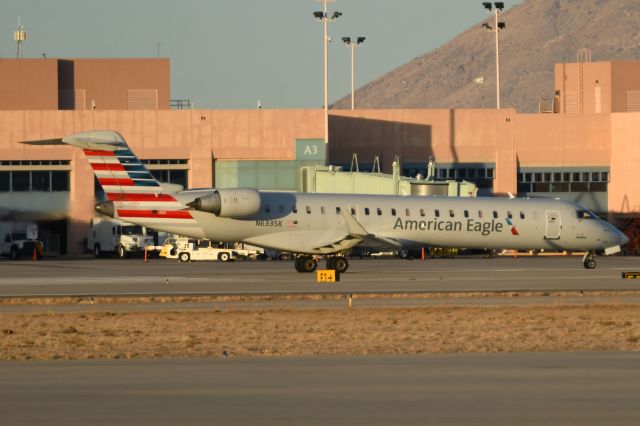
x: 20, y: 239
x: 111, y: 236
x: 188, y: 249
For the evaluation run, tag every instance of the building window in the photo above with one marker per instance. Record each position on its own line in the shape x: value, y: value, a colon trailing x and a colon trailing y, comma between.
x: 5, y: 181
x: 40, y: 181
x: 21, y: 181
x: 176, y: 177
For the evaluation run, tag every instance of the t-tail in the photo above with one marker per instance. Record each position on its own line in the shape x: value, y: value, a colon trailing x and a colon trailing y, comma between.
x: 133, y: 194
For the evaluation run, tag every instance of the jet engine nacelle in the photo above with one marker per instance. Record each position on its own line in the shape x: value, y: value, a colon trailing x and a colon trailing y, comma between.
x: 236, y: 202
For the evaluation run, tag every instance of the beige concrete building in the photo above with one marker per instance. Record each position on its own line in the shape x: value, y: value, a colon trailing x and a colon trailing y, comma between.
x: 590, y: 157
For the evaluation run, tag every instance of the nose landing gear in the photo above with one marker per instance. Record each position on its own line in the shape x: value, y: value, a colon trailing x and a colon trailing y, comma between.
x: 589, y: 261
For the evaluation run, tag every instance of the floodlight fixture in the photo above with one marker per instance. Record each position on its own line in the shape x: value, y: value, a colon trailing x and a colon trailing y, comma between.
x: 502, y: 25
x: 318, y: 15
x: 487, y: 5
x: 361, y: 40
x: 336, y: 15
x: 499, y: 5
x: 487, y: 26
x: 346, y: 40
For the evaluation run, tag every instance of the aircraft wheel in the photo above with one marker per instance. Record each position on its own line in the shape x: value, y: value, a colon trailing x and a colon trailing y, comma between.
x: 308, y: 264
x: 341, y: 264
x: 96, y: 251
x: 184, y: 257
x: 224, y: 257
x: 590, y: 263
x: 331, y: 263
x: 298, y: 264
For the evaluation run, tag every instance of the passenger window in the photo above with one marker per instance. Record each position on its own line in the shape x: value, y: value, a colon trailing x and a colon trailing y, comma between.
x: 308, y: 210
x: 466, y: 213
x: 451, y: 213
x: 408, y: 212
x: 366, y: 211
x: 495, y: 214
x: 522, y: 215
x: 294, y: 209
x: 422, y: 212
x: 479, y: 214
x: 393, y: 212
x: 267, y: 209
x: 337, y: 210
x: 379, y: 211
x: 509, y: 215
x: 437, y: 213
x: 322, y: 209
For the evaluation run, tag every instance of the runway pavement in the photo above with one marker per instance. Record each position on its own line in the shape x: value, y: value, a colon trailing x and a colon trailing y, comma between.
x: 483, y: 389
x: 159, y: 276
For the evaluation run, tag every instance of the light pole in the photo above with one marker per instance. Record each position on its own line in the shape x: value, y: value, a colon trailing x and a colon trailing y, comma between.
x: 325, y: 19
x: 498, y: 26
x: 353, y: 44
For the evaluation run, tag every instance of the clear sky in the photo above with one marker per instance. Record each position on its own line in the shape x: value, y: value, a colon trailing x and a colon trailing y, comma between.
x: 228, y: 54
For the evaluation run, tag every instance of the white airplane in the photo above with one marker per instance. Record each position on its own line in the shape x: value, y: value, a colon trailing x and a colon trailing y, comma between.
x: 327, y: 225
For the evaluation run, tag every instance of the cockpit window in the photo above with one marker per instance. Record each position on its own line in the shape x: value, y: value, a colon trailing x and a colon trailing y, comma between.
x: 586, y: 214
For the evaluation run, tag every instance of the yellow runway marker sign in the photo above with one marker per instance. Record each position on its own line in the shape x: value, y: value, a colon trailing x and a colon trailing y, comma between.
x: 326, y: 276
x: 630, y: 275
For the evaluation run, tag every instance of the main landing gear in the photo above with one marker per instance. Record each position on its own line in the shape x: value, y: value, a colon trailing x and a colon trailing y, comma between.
x: 307, y: 264
x: 589, y: 260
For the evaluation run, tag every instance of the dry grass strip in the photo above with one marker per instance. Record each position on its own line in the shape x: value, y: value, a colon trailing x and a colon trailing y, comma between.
x: 293, y: 332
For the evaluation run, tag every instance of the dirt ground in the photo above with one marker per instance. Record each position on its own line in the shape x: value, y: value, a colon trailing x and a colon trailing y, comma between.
x: 294, y: 332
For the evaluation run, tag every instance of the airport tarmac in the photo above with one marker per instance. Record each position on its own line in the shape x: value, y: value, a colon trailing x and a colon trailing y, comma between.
x: 483, y: 389
x: 95, y: 277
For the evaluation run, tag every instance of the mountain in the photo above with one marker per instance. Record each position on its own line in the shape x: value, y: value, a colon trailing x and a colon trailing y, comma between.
x: 539, y: 33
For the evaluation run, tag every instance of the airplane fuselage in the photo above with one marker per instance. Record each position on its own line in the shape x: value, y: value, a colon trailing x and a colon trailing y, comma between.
x: 294, y: 221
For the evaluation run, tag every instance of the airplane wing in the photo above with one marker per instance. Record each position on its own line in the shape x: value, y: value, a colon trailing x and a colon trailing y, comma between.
x: 355, y: 235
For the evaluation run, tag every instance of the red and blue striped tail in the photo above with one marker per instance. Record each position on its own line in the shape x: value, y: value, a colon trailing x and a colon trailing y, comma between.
x: 136, y: 195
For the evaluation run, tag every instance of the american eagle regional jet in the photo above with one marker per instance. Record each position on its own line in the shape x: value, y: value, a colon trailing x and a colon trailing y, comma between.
x: 327, y: 225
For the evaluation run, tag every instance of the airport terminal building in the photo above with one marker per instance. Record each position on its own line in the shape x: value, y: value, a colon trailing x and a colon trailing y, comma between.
x: 585, y: 147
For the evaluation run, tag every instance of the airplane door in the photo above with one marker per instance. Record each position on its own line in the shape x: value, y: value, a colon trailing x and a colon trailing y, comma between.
x: 553, y: 225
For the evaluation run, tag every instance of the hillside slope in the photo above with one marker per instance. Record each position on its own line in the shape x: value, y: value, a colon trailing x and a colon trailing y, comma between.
x: 539, y: 34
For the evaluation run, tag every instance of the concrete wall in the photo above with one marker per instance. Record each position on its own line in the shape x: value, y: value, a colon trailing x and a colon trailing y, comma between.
x: 207, y: 137
x: 197, y: 135
x: 624, y: 194
x: 107, y: 80
x: 28, y: 84
x: 625, y: 76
